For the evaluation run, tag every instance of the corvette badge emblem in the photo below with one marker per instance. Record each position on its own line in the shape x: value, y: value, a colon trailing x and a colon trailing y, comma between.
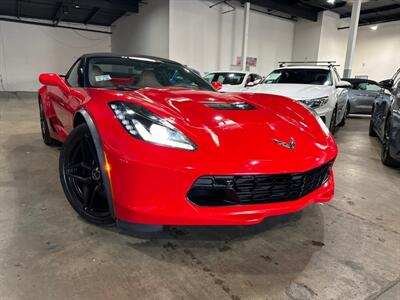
x: 291, y: 145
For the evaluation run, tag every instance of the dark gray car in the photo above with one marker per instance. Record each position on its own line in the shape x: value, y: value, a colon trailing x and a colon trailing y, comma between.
x: 362, y: 95
x: 385, y: 120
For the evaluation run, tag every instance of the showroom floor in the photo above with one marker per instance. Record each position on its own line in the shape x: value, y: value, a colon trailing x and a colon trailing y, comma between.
x: 347, y: 249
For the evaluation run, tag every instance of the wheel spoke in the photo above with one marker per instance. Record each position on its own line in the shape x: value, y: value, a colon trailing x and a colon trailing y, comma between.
x: 81, y: 165
x: 91, y: 149
x: 88, y: 195
x: 81, y: 179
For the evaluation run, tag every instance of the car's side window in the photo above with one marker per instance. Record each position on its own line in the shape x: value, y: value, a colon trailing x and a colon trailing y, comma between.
x: 373, y: 87
x: 336, y: 75
x: 362, y: 86
x: 209, y: 77
x: 73, y: 75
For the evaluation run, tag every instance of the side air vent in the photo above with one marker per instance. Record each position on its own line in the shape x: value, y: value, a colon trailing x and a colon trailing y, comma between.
x: 230, y: 106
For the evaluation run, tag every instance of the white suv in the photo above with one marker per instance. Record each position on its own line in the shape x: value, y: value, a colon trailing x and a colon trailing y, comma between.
x: 317, y: 86
x: 233, y: 81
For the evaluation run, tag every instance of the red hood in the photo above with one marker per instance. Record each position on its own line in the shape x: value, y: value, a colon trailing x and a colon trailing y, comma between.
x: 275, y: 117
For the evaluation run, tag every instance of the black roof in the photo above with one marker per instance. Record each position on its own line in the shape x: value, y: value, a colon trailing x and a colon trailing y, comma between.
x: 96, y: 12
x: 119, y: 55
x: 372, y: 12
x: 360, y: 80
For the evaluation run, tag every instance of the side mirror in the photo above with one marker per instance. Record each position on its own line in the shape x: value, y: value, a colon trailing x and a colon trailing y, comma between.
x: 344, y: 84
x: 387, y: 84
x: 52, y: 79
x: 250, y: 84
x: 217, y: 85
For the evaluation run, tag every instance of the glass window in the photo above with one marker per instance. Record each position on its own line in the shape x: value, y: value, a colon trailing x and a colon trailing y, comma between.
x: 209, y: 77
x: 73, y: 75
x: 373, y: 87
x: 300, y: 76
x: 136, y: 72
x: 362, y: 86
x: 226, y: 77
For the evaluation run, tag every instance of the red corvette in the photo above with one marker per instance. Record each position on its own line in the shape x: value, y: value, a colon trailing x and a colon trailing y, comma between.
x: 147, y: 142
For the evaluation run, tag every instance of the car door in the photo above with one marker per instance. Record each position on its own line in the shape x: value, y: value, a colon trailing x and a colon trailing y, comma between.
x: 366, y: 94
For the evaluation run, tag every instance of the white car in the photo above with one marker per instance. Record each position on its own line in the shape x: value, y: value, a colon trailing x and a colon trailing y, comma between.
x: 233, y: 81
x: 318, y: 87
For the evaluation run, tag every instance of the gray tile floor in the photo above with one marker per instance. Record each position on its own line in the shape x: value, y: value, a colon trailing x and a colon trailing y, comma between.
x: 347, y: 249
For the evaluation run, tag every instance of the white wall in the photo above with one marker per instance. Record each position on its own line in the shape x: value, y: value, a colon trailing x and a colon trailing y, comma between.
x: 207, y: 40
x: 28, y: 50
x: 307, y: 36
x: 333, y: 42
x: 377, y: 53
x: 143, y: 33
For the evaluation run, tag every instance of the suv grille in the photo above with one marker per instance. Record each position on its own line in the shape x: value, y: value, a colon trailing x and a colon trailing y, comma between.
x: 254, y: 189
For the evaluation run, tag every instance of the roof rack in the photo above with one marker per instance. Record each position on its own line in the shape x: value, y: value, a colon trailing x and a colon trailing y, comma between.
x: 330, y: 63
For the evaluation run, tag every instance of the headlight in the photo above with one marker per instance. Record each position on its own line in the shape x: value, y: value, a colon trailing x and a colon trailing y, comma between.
x: 315, y: 103
x: 145, y: 125
x: 321, y: 123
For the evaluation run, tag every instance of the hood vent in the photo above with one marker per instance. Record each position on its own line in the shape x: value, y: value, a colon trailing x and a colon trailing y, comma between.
x: 230, y: 106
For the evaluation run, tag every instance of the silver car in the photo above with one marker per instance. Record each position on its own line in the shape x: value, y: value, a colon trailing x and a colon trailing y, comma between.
x: 362, y: 95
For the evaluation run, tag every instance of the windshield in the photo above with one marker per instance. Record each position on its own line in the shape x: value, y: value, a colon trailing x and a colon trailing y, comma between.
x: 300, y: 76
x: 136, y: 72
x: 225, y: 78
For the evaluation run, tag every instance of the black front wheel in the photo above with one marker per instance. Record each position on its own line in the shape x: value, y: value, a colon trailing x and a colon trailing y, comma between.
x: 371, y: 130
x: 344, y: 119
x: 332, y: 124
x: 387, y: 159
x: 81, y: 177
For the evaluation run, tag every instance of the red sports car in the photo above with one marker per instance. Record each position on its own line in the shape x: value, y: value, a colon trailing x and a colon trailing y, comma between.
x: 147, y: 142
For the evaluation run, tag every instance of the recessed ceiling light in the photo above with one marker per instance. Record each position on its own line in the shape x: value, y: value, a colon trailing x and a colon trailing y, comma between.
x: 331, y: 1
x: 374, y: 27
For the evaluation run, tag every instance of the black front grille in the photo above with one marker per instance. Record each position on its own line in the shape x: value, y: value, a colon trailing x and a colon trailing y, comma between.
x: 254, y: 189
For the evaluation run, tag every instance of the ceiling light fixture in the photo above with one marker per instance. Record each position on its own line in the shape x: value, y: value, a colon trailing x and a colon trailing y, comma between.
x: 331, y: 1
x: 374, y: 27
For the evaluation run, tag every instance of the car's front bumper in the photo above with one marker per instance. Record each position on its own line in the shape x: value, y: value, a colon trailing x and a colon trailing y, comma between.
x: 325, y: 112
x: 147, y: 192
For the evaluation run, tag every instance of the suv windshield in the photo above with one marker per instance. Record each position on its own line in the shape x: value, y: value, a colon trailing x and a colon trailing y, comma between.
x: 300, y: 76
x: 136, y: 72
x: 225, y: 78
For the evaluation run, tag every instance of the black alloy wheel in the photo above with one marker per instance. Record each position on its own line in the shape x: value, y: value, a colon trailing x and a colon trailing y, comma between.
x: 44, y: 128
x: 332, y: 124
x: 387, y: 159
x: 348, y: 108
x: 371, y: 130
x: 81, y: 177
x: 344, y: 119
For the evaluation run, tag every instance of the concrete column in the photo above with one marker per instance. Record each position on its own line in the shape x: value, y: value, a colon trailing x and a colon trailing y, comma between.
x: 351, y: 43
x: 245, y: 34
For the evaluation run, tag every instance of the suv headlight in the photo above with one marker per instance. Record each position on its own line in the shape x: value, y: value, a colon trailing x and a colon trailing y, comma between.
x: 316, y: 102
x: 147, y: 126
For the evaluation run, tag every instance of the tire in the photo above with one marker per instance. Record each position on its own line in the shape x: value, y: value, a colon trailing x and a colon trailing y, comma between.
x: 332, y: 124
x: 81, y: 177
x: 371, y: 130
x: 348, y: 108
x: 44, y: 128
x: 344, y: 119
x: 386, y: 158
